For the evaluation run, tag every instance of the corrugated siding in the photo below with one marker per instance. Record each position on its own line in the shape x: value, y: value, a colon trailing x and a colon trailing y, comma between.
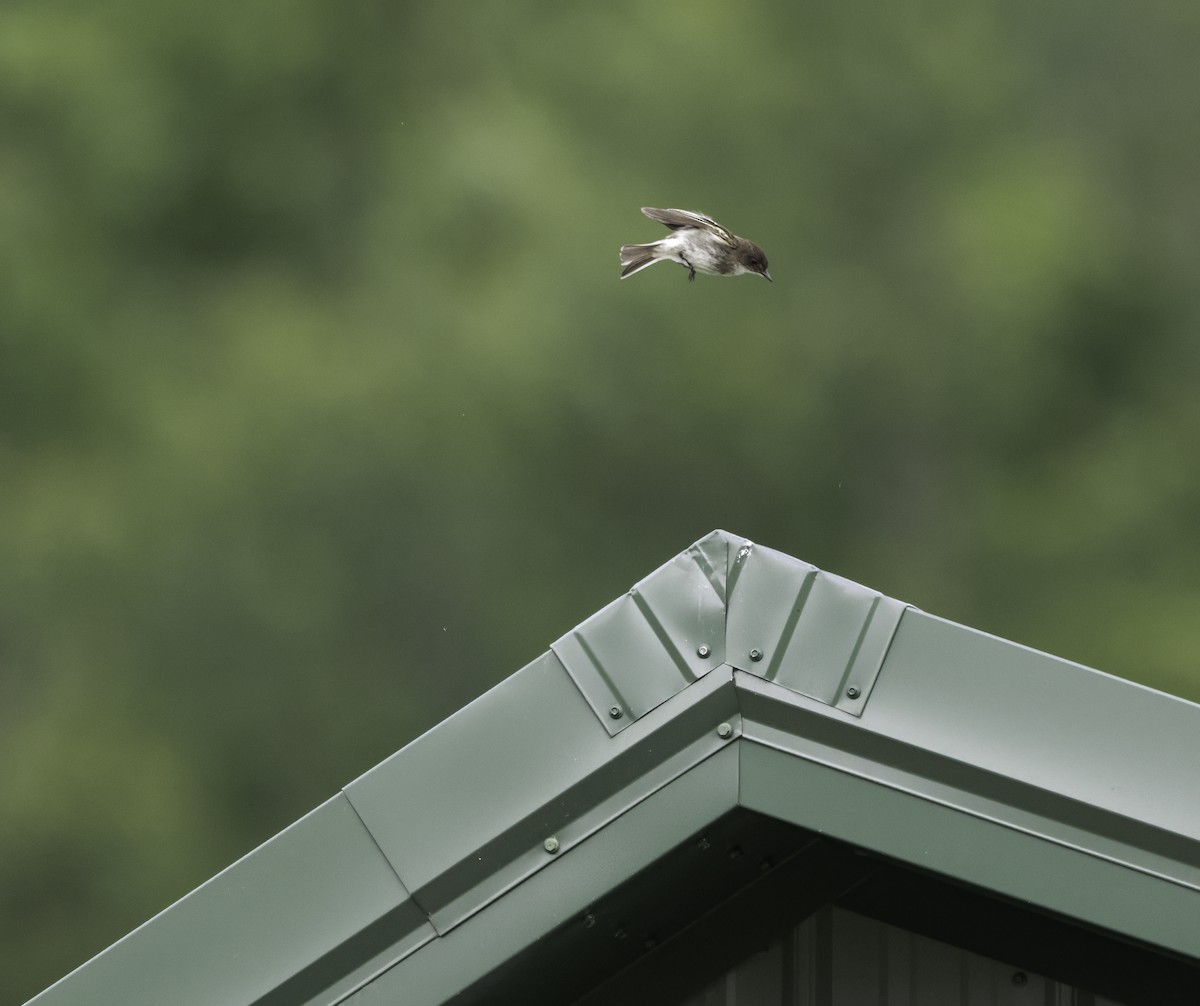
x: 837, y: 958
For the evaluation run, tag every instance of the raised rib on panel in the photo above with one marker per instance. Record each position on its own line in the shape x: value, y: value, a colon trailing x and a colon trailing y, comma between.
x: 649, y: 644
x: 812, y: 632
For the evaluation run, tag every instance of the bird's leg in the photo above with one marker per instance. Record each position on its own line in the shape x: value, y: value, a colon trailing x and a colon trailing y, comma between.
x: 691, y: 269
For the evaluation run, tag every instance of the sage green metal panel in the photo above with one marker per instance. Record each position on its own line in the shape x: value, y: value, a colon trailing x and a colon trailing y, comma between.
x: 810, y: 631
x: 849, y: 799
x: 525, y: 762
x: 1076, y: 732
x: 795, y: 723
x: 563, y: 891
x: 435, y: 803
x: 714, y: 554
x: 645, y: 646
x: 921, y: 765
x: 253, y: 927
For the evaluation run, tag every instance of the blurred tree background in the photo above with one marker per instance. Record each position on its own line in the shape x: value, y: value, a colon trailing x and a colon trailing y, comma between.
x: 322, y: 408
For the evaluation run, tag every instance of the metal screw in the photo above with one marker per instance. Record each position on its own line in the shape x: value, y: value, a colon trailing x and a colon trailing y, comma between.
x: 703, y: 651
x: 615, y: 712
x: 619, y: 933
x: 589, y: 920
x: 1020, y: 979
x: 724, y: 730
x: 852, y: 692
x: 650, y: 943
x: 756, y: 654
x: 551, y: 844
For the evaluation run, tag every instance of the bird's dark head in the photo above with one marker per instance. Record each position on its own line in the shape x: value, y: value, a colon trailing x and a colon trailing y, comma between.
x: 755, y: 260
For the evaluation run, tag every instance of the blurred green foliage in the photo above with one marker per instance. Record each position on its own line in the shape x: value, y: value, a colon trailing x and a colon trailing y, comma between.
x: 322, y: 408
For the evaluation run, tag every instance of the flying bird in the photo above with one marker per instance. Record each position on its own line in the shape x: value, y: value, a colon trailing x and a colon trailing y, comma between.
x: 698, y: 243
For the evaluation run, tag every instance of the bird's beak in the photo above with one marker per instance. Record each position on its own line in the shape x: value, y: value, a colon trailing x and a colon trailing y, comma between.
x: 767, y: 276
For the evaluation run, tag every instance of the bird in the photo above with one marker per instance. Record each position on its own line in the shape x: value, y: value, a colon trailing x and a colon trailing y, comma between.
x: 699, y: 244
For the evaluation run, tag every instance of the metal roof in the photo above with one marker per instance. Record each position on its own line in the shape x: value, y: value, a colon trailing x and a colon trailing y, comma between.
x: 737, y: 710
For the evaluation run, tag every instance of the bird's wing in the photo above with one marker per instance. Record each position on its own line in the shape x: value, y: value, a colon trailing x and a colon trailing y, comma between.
x: 675, y: 219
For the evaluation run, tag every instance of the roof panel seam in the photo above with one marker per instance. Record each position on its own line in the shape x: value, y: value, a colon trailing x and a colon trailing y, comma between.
x: 384, y: 856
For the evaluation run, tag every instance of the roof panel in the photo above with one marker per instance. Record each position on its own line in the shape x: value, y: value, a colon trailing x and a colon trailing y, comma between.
x: 561, y: 894
x: 436, y: 803
x: 810, y: 631
x: 253, y: 928
x: 665, y: 633
x: 462, y: 813
x: 1037, y: 868
x: 1071, y: 730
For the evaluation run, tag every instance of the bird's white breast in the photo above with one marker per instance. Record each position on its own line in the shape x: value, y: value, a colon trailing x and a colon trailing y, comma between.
x: 696, y: 247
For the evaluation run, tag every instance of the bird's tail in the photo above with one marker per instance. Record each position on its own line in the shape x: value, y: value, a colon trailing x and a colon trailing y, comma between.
x: 635, y: 258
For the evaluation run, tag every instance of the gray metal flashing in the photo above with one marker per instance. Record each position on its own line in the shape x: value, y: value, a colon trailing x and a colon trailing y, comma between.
x: 964, y: 833
x: 797, y: 726
x: 1068, y: 729
x: 562, y: 892
x: 812, y: 632
x: 528, y: 763
x: 733, y: 679
x: 317, y: 900
x: 727, y: 599
x: 665, y: 633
